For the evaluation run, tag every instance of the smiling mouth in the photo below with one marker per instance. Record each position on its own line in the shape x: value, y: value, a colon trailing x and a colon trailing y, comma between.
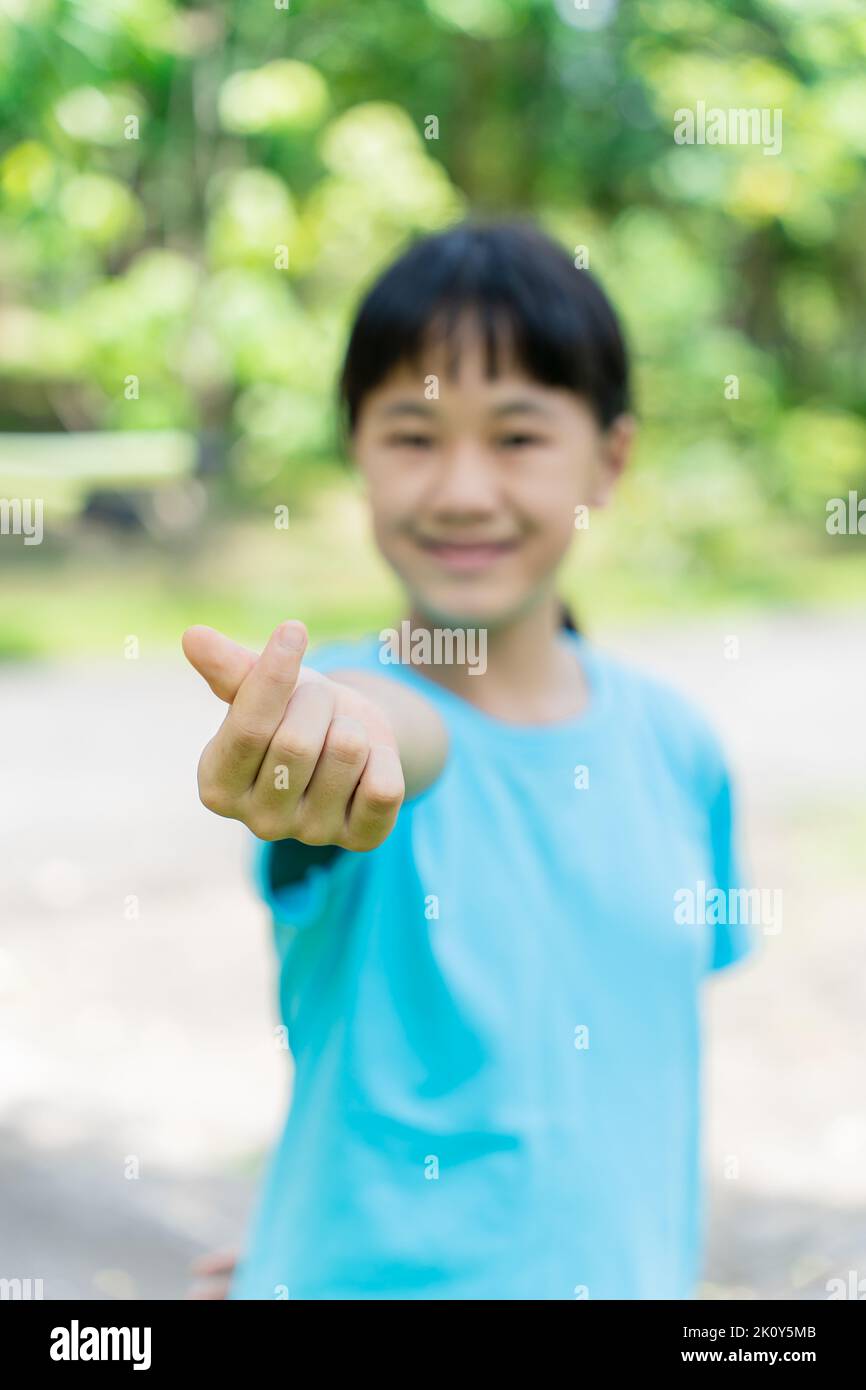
x: 466, y: 555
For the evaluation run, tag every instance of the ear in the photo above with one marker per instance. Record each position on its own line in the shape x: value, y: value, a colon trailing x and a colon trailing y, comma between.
x: 615, y: 452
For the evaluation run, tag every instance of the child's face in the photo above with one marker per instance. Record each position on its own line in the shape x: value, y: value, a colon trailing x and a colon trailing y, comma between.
x: 474, y: 494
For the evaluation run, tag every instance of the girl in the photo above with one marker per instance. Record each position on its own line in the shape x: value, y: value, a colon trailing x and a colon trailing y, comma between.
x: 491, y: 999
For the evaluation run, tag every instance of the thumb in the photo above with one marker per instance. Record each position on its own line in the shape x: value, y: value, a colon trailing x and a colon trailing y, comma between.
x: 223, y: 663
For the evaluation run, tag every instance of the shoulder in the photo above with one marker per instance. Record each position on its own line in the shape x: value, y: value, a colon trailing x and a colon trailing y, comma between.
x: 674, y: 723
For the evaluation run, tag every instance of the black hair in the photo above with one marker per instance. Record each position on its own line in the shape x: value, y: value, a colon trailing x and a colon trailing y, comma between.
x: 526, y: 295
x: 520, y: 285
x: 567, y: 618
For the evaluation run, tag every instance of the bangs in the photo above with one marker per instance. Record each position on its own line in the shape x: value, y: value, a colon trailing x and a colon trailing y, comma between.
x: 461, y: 325
x: 512, y: 287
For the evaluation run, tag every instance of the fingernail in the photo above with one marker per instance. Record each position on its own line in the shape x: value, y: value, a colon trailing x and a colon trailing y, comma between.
x: 293, y: 636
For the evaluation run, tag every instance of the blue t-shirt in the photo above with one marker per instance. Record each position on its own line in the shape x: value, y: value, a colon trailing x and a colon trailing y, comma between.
x: 494, y: 1016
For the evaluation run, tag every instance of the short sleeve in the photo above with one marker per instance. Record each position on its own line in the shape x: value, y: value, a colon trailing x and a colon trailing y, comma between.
x: 732, y: 939
x: 298, y: 906
x: 693, y: 752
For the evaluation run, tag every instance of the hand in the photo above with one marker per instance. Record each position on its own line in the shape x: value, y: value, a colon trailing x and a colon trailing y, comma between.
x: 213, y: 1274
x: 298, y: 756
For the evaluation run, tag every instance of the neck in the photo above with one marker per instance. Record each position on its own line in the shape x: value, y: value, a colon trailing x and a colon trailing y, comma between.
x: 530, y: 676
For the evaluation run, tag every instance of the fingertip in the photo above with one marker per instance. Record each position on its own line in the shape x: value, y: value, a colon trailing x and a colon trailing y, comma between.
x: 196, y: 631
x: 189, y: 639
x: 292, y: 635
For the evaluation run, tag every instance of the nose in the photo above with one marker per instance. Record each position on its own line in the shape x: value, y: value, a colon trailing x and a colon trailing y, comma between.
x: 465, y: 485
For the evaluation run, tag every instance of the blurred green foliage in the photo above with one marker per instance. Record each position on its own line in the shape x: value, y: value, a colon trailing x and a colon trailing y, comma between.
x: 196, y: 195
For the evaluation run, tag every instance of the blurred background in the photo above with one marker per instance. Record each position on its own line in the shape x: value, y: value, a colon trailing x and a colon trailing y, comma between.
x: 192, y: 199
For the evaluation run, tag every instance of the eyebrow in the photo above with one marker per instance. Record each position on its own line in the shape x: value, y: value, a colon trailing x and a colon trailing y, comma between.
x: 515, y: 407
x: 409, y: 408
x: 522, y: 407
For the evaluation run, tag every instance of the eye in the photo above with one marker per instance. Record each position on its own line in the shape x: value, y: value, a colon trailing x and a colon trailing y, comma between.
x: 520, y: 440
x: 410, y: 441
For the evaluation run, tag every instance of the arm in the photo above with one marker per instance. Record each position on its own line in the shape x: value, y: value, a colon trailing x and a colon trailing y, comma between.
x: 308, y: 757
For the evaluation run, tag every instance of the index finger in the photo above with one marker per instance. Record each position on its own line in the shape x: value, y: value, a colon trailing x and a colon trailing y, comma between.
x: 236, y: 752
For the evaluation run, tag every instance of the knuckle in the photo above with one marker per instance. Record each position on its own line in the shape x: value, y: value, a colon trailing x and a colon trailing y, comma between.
x: 346, y: 742
x: 362, y: 841
x: 292, y: 747
x: 244, y: 744
x: 214, y: 797
x: 383, y: 797
x: 247, y: 737
x: 311, y: 833
x: 265, y: 825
